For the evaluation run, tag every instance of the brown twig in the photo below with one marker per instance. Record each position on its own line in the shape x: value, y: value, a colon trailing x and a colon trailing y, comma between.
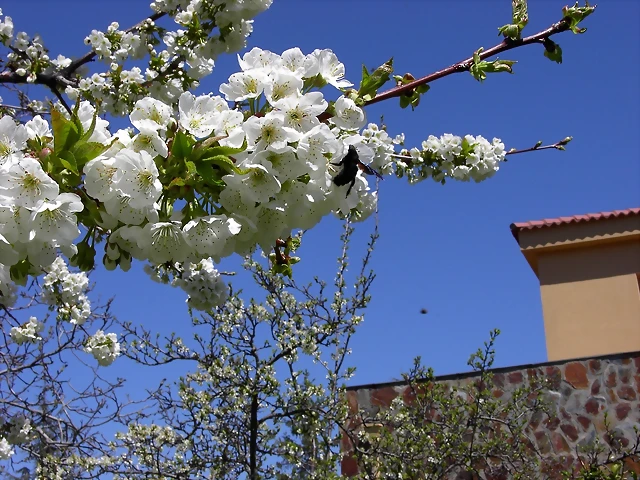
x: 63, y: 75
x: 464, y: 65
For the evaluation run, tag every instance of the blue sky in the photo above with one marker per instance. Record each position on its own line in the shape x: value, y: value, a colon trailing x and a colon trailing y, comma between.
x: 444, y: 248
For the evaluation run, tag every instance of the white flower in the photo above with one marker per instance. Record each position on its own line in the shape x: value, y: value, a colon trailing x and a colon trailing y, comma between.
x: 137, y: 178
x: 119, y: 208
x: 294, y: 60
x: 325, y: 63
x: 27, y: 332
x: 231, y: 125
x: 203, y: 284
x: 104, y: 347
x: 149, y: 140
x: 6, y: 452
x: 284, y: 84
x: 38, y: 127
x: 210, y: 236
x: 258, y: 58
x: 198, y: 115
x: 151, y: 113
x: 67, y: 291
x: 54, y: 221
x: 306, y: 203
x: 348, y: 115
x: 99, y: 178
x: 86, y: 114
x: 61, y: 62
x: 285, y: 163
x: 258, y: 185
x: 126, y: 238
x: 301, y: 113
x: 25, y: 184
x: 13, y: 138
x: 269, y: 133
x: 244, y: 85
x: 314, y: 144
x: 164, y: 242
x: 271, y: 223
x: 6, y: 30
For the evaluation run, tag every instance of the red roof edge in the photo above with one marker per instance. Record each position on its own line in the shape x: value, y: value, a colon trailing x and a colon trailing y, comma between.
x: 516, y: 228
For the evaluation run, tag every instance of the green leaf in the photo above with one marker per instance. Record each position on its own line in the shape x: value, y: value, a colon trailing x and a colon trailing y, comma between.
x: 574, y: 15
x: 191, y: 167
x: 520, y: 14
x: 552, y: 50
x: 208, y: 174
x: 370, y: 83
x: 225, y: 163
x: 467, y: 148
x: 74, y: 116
x: 510, y: 30
x: 86, y: 135
x: 520, y: 18
x: 182, y: 145
x: 65, y: 132
x: 19, y: 272
x: 480, y: 68
x: 200, y: 153
x: 68, y: 161
x: 87, y: 151
x: 176, y: 182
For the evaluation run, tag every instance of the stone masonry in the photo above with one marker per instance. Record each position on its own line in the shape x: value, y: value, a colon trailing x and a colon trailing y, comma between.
x: 582, y: 390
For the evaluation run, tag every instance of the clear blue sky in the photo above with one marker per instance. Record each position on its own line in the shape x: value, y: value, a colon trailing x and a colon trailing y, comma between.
x: 444, y: 248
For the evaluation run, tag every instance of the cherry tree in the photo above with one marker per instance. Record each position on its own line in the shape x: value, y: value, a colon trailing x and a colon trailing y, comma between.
x: 195, y: 179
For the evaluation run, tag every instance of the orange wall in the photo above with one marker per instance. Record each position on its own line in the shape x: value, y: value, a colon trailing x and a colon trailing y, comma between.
x: 591, y: 299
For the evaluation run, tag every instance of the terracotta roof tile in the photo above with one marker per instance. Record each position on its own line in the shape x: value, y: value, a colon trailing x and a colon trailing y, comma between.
x: 549, y: 222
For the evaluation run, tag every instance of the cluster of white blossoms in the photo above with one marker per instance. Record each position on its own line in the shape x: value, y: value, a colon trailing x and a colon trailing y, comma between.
x: 203, y: 284
x: 67, y: 292
x: 224, y: 26
x: 27, y: 332
x: 35, y: 218
x: 154, y: 195
x: 104, y: 347
x: 453, y: 157
x: 17, y: 431
x: 6, y: 450
x: 180, y: 57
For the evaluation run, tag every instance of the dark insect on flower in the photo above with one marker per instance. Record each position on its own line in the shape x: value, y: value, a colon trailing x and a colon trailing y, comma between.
x: 350, y: 164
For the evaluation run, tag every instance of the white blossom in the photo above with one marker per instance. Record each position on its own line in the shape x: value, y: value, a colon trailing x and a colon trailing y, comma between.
x: 24, y: 183
x: 104, y: 347
x: 348, y: 115
x: 203, y: 284
x: 27, y: 332
x: 6, y: 451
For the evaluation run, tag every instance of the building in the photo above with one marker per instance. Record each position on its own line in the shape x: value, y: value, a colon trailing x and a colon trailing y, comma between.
x: 589, y: 272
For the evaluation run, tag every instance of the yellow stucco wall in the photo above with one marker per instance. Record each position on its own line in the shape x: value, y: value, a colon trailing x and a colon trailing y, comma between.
x: 589, y: 285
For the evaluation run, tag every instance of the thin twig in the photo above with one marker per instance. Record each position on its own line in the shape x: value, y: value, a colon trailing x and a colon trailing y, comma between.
x: 464, y: 65
x: 25, y: 109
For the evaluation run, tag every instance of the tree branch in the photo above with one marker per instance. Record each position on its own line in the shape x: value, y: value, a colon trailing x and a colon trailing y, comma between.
x: 89, y: 56
x: 464, y: 65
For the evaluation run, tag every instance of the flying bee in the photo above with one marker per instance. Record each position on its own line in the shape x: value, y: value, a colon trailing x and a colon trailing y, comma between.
x: 350, y: 164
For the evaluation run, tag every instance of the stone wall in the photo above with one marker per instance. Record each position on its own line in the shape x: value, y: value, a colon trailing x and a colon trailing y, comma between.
x: 582, y: 390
